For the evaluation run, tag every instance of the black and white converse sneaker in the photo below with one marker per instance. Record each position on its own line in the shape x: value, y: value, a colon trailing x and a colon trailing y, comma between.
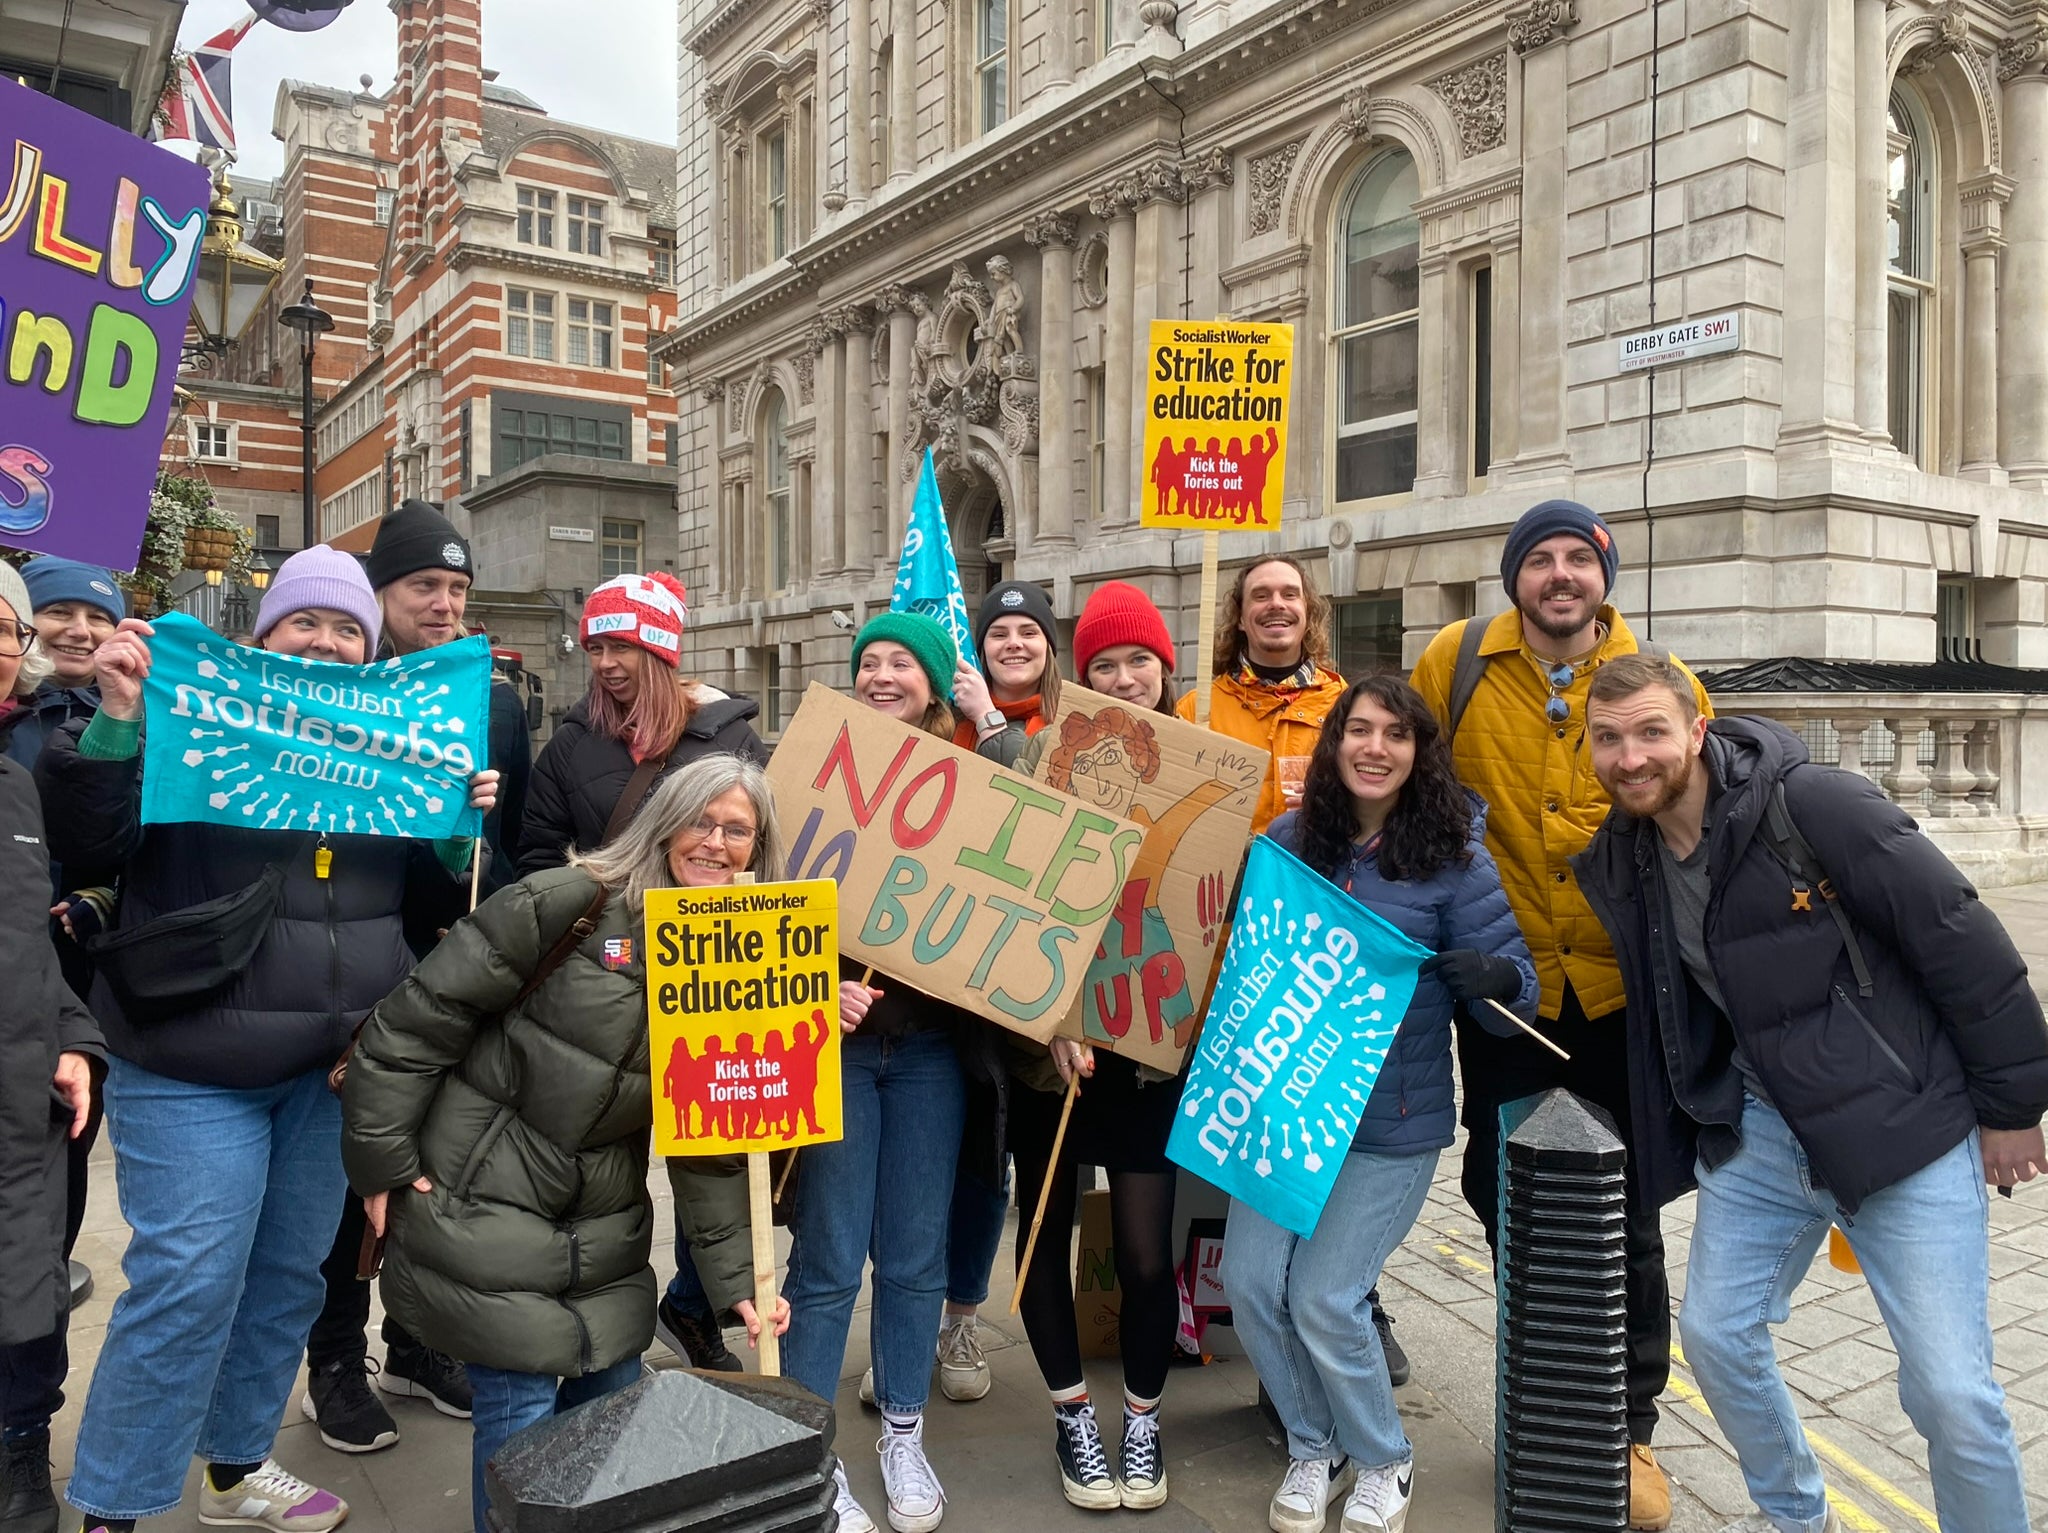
x: 1141, y: 1462
x: 1084, y: 1465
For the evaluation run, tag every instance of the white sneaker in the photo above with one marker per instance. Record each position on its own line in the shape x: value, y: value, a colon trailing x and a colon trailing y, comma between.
x: 1302, y: 1503
x: 270, y: 1497
x: 963, y: 1371
x: 853, y: 1517
x: 916, y: 1502
x: 1379, y: 1501
x: 867, y: 1390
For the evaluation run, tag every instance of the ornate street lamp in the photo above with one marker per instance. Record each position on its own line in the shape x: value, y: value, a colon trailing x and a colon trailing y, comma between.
x: 231, y: 283
x: 311, y: 321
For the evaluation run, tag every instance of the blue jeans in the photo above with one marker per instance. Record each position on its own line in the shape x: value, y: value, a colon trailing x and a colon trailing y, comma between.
x: 231, y: 1198
x: 974, y: 1234
x: 1924, y: 1246
x: 508, y: 1403
x: 1300, y: 1309
x: 882, y: 1192
x: 686, y: 1290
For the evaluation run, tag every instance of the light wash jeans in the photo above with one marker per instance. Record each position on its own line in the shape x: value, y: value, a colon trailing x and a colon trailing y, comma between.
x: 882, y: 1192
x: 508, y: 1403
x: 1924, y: 1246
x: 974, y: 1234
x: 1300, y: 1309
x: 232, y: 1198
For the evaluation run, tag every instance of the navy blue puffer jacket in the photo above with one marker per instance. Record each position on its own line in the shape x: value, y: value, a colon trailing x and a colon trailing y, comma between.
x: 1413, y: 1106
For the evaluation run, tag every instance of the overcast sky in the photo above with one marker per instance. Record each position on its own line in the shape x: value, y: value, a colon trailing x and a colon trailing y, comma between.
x: 604, y: 63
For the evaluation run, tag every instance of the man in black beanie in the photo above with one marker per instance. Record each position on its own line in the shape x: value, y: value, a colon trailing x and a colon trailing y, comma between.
x: 421, y: 569
x: 1510, y: 692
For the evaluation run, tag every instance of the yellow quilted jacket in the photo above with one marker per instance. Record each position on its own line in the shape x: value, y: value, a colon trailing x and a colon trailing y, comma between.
x: 1543, y: 801
x: 1283, y: 720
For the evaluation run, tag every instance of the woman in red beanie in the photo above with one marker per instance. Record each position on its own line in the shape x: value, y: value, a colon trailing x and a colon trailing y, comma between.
x: 639, y: 722
x: 1123, y: 649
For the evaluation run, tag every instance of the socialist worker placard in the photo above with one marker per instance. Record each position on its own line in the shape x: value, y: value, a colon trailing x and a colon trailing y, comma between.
x: 1216, y: 411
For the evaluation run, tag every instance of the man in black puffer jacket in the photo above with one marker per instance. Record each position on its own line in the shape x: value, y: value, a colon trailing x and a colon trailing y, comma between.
x: 1826, y: 1026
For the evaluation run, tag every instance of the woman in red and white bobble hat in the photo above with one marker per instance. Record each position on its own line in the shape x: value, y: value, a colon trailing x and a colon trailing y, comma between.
x: 639, y: 722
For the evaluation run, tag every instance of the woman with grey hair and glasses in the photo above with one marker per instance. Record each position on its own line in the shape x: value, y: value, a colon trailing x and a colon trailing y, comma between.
x: 500, y: 1125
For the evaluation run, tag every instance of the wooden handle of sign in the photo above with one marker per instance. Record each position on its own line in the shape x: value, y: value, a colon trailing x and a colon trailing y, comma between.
x: 1045, y: 1188
x: 761, y: 1214
x: 476, y: 871
x: 1525, y: 1027
x: 1205, y: 629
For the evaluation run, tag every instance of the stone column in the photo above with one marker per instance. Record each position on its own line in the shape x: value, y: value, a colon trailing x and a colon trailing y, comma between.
x: 903, y: 87
x: 894, y: 300
x: 1507, y: 349
x: 1155, y: 281
x: 1052, y: 236
x: 860, y: 116
x: 2023, y: 306
x: 1873, y: 162
x: 853, y: 547
x: 1540, y: 401
x: 722, y: 572
x: 1438, y: 444
x: 1983, y: 202
x: 1820, y: 198
x: 830, y: 344
x: 1116, y: 204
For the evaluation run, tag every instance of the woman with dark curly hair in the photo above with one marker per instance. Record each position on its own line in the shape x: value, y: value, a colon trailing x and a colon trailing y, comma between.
x: 1384, y: 817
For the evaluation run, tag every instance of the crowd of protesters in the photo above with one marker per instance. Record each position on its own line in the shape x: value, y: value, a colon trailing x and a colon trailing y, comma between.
x: 1778, y: 991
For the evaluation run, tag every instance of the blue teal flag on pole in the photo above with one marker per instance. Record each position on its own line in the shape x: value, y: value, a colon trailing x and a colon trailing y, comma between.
x: 927, y: 578
x: 1313, y: 987
x: 239, y: 736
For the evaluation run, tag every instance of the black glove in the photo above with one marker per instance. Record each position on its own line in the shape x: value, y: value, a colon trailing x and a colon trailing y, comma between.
x: 1471, y: 975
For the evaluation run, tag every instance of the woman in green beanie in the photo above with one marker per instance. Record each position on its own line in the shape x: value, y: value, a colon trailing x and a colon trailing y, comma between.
x: 885, y: 1188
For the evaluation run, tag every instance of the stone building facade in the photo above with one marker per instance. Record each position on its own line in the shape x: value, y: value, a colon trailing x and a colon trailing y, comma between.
x: 1464, y: 207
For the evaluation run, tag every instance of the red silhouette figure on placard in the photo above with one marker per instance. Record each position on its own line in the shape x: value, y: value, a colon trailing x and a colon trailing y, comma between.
x: 804, y: 1050
x: 1169, y: 470
x: 1258, y: 457
x: 773, y: 1077
x: 717, y: 1108
x: 1211, y: 496
x: 746, y: 1114
x: 683, y: 1084
x: 1231, y: 466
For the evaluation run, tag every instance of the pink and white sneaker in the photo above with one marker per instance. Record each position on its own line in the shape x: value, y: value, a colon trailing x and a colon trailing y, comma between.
x: 271, y: 1497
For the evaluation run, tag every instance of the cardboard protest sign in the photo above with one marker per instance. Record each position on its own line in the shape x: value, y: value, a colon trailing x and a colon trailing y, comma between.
x: 99, y: 239
x: 1194, y: 792
x: 239, y: 736
x: 1312, y: 989
x: 1216, y: 413
x: 743, y: 1017
x: 967, y: 880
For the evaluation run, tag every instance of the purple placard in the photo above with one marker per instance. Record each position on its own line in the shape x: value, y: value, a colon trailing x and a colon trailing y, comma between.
x: 99, y: 240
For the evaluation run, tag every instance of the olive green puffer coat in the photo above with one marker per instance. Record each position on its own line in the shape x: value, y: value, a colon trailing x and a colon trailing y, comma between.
x: 530, y: 1254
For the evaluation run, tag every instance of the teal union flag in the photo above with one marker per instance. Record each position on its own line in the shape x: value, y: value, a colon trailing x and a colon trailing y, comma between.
x: 238, y: 736
x: 1313, y: 987
x: 927, y: 579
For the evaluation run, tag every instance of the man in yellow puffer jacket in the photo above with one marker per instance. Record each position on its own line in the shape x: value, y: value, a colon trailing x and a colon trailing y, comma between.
x: 1519, y: 741
x: 1273, y: 685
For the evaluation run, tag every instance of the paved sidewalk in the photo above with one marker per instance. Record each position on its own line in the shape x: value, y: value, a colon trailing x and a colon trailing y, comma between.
x: 994, y: 1456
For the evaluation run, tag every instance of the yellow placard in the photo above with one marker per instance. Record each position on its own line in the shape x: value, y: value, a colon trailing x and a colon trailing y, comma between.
x: 1216, y: 411
x: 743, y: 1014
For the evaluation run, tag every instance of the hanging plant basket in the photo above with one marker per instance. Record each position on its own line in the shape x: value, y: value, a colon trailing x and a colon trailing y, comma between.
x: 141, y: 598
x: 209, y: 548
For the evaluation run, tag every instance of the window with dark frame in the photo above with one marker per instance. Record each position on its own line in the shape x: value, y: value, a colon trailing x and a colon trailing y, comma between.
x: 1376, y: 334
x: 524, y: 426
x: 268, y: 530
x: 536, y: 217
x: 619, y: 550
x: 586, y: 226
x: 1368, y: 634
x: 210, y: 440
x: 1480, y: 412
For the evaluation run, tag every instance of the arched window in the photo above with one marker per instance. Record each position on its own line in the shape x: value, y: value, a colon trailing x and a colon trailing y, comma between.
x: 1909, y: 280
x: 1378, y: 277
x: 776, y: 494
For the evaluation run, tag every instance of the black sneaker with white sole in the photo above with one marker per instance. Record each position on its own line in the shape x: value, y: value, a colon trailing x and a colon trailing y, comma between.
x: 1397, y: 1360
x: 339, y: 1401
x: 1084, y: 1464
x: 421, y: 1373
x: 1141, y: 1462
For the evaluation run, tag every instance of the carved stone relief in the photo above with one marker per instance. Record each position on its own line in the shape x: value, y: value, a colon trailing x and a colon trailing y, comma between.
x: 970, y: 369
x: 1091, y: 272
x: 1540, y: 22
x: 1477, y: 96
x: 1269, y: 173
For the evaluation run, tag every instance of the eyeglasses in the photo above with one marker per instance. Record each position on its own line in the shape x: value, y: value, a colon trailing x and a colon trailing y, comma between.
x: 16, y: 639
x: 1558, y: 709
x: 739, y: 837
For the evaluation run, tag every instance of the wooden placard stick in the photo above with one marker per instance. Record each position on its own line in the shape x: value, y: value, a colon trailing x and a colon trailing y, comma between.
x: 761, y: 1220
x: 476, y: 871
x: 1045, y: 1189
x: 1525, y: 1027
x: 1205, y: 626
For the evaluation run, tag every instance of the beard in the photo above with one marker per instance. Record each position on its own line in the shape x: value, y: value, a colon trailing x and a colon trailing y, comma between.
x: 1668, y: 789
x: 1552, y: 627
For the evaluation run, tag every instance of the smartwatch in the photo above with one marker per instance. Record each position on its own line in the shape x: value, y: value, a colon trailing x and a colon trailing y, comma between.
x: 995, y: 718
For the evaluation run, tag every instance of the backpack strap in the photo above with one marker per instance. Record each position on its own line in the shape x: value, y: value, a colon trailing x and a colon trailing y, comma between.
x: 1465, y: 673
x: 1809, y: 877
x: 634, y: 794
x: 567, y: 943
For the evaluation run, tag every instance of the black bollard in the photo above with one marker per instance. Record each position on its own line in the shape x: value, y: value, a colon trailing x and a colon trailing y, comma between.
x: 679, y: 1452
x: 1561, y: 1397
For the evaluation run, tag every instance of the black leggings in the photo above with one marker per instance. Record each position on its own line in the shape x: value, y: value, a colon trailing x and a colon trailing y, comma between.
x: 1141, y: 1216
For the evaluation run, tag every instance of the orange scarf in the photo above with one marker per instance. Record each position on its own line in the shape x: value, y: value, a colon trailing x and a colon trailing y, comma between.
x: 1027, y: 709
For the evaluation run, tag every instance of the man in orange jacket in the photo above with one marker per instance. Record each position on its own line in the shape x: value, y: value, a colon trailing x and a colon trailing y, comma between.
x: 1512, y: 697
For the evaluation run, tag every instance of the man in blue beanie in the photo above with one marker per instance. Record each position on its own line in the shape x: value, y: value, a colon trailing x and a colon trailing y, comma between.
x: 1511, y: 693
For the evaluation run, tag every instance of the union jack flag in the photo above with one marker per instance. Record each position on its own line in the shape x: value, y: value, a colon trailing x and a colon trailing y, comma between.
x: 200, y: 104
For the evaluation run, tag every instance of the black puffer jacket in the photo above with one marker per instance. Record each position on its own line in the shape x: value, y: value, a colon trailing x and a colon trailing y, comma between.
x: 1875, y: 1088
x: 40, y: 1020
x: 580, y: 774
x: 335, y: 948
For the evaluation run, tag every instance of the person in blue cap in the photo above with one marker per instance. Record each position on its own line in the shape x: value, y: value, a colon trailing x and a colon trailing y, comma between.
x: 76, y: 608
